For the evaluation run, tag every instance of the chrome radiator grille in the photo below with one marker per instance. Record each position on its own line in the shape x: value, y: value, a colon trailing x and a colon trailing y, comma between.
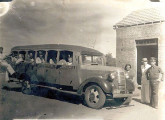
x: 121, y: 82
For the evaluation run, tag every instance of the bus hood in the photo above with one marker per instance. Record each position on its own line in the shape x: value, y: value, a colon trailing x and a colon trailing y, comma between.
x: 101, y: 68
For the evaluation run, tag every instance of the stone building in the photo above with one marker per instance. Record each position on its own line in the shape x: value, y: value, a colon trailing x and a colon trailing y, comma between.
x: 140, y: 34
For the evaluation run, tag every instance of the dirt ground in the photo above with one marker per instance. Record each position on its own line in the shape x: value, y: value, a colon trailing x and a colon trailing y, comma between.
x: 41, y: 105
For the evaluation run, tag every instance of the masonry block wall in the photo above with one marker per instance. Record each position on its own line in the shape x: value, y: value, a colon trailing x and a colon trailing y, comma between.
x: 126, y: 51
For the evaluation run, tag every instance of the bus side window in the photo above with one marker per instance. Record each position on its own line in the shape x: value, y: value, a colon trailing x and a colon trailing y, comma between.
x: 40, y: 56
x: 14, y: 56
x: 66, y: 58
x: 23, y: 54
x: 52, y: 57
x: 30, y: 56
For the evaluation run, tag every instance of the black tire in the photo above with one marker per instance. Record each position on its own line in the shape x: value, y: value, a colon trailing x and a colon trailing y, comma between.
x: 94, y: 97
x: 123, y: 101
x: 26, y: 87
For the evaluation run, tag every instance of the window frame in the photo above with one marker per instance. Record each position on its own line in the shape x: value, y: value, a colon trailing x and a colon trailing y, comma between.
x: 92, y: 59
x: 47, y: 55
x: 66, y: 59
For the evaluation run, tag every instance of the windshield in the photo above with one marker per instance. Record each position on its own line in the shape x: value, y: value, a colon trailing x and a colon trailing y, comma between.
x: 92, y: 60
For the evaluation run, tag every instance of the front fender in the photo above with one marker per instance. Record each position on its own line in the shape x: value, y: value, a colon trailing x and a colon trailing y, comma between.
x: 105, y: 85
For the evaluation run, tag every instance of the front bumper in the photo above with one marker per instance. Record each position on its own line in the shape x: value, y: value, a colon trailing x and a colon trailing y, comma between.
x: 121, y: 95
x: 118, y: 95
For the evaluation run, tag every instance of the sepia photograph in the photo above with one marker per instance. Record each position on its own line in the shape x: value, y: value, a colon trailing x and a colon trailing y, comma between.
x: 82, y: 60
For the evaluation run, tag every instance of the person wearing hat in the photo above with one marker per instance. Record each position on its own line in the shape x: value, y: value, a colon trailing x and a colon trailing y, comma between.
x: 154, y: 75
x: 20, y: 59
x: 40, y: 59
x: 30, y: 57
x: 70, y: 60
x: 5, y: 64
x: 145, y: 86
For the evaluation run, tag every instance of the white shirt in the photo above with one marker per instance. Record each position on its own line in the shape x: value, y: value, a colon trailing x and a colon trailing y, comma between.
x: 145, y: 68
x: 38, y: 60
x: 69, y: 63
x: 1, y: 57
x: 19, y: 60
x: 13, y: 59
x: 32, y: 60
x: 51, y: 61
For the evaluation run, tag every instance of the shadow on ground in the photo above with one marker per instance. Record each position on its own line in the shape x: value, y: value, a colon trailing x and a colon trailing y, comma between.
x: 139, y: 100
x: 65, y: 97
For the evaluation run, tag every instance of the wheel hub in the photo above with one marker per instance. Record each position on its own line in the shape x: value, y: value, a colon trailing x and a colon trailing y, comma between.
x: 94, y: 96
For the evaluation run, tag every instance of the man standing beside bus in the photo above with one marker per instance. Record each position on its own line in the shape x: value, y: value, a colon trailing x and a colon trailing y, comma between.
x: 154, y: 75
x: 145, y: 85
x: 5, y: 64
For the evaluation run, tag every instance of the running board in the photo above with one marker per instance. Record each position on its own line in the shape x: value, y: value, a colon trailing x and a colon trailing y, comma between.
x: 60, y: 90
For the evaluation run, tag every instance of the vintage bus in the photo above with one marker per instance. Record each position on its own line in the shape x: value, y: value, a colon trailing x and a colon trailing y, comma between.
x: 72, y: 69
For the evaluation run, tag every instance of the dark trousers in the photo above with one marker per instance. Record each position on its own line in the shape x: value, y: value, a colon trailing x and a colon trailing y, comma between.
x: 154, y: 93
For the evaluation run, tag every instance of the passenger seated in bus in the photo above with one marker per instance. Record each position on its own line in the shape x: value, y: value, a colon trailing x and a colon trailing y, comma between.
x: 62, y: 61
x: 53, y: 61
x: 14, y: 57
x: 30, y: 57
x: 20, y: 59
x: 40, y: 59
x: 70, y: 60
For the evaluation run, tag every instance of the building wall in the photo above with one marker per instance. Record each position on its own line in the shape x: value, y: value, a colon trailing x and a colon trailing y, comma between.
x: 126, y: 51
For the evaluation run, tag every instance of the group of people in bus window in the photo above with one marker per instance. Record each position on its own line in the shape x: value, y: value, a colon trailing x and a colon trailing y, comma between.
x: 17, y: 58
x: 65, y: 58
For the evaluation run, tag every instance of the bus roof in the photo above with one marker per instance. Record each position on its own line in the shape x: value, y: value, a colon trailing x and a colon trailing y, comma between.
x: 83, y: 50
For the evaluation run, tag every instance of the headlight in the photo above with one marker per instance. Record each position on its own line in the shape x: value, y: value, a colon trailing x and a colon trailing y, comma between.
x: 111, y: 76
